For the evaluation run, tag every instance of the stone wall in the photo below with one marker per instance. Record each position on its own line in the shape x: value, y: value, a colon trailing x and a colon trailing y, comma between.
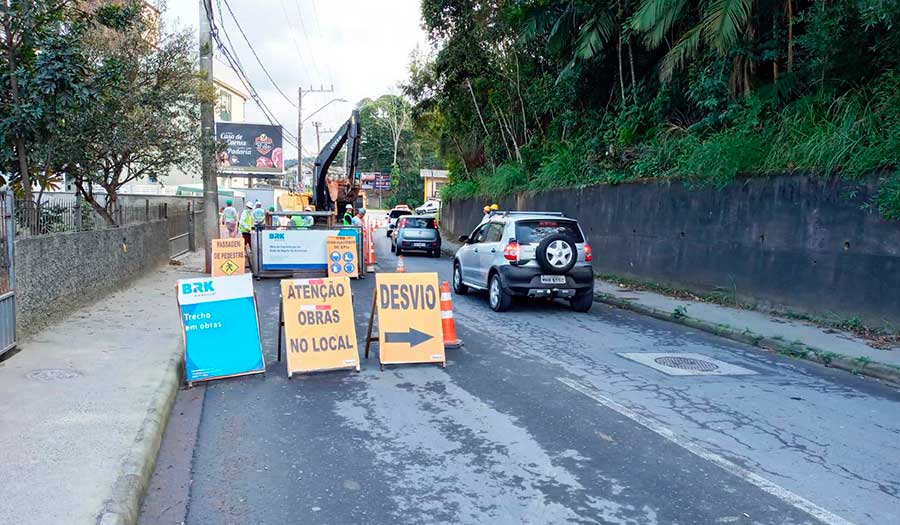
x: 55, y: 274
x: 797, y: 242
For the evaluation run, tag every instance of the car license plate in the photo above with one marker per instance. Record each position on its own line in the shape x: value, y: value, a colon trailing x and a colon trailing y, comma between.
x: 419, y: 244
x: 553, y: 279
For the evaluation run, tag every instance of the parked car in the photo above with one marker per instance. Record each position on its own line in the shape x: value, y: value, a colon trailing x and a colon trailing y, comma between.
x: 416, y: 233
x: 430, y: 206
x: 394, y: 215
x: 532, y: 254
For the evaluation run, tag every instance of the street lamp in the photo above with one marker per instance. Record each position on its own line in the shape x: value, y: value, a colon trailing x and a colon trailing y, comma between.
x: 323, y: 107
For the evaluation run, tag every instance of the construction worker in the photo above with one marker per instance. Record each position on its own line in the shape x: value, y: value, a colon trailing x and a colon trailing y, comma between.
x: 245, y: 223
x: 359, y: 217
x: 303, y: 221
x: 494, y: 209
x: 487, y: 212
x: 348, y: 215
x: 229, y: 219
x: 259, y: 214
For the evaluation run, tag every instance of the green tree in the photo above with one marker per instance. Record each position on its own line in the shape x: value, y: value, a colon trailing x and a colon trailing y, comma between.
x: 143, y: 117
x: 42, y: 78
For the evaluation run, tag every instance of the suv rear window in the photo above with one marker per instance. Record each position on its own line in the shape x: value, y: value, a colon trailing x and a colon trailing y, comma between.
x: 534, y: 231
x: 398, y: 213
x: 418, y: 222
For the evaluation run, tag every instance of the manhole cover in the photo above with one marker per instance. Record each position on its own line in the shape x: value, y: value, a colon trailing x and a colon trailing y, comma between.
x: 52, y: 374
x: 686, y: 363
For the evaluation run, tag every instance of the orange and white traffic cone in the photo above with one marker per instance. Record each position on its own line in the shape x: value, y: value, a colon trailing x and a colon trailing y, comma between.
x: 447, y: 322
x: 370, y: 256
x: 400, y: 267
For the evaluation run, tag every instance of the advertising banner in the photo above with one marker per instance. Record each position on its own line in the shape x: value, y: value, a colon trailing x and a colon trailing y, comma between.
x: 382, y: 181
x: 228, y: 257
x: 409, y: 318
x: 295, y: 249
x: 221, y: 327
x: 319, y: 329
x: 250, y: 148
x: 367, y: 180
x: 342, y: 257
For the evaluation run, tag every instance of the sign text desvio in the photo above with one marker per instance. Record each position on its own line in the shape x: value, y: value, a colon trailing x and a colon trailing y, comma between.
x: 250, y: 148
x: 221, y: 327
x: 409, y: 318
x: 318, y: 324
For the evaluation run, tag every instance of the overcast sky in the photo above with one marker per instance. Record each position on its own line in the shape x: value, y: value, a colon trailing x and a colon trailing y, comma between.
x: 362, y: 47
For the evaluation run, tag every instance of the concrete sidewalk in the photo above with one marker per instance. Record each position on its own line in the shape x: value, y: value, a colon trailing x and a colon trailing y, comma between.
x: 85, y: 403
x: 800, y: 339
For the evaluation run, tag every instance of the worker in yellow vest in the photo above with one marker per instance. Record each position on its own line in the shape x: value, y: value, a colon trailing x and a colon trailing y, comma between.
x: 245, y: 223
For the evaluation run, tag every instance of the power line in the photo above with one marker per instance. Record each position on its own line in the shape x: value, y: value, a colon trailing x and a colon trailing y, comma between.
x: 308, y: 44
x: 287, y: 18
x: 234, y: 64
x: 252, y: 50
x: 319, y: 32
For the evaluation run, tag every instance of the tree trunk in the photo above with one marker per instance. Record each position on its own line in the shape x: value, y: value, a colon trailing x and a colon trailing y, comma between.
x: 789, y: 7
x: 21, y: 151
x: 631, y: 64
x: 478, y: 110
x: 521, y: 101
x: 621, y: 77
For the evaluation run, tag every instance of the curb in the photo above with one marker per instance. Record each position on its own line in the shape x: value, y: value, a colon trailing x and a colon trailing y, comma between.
x: 796, y: 350
x: 124, y: 504
x: 826, y: 358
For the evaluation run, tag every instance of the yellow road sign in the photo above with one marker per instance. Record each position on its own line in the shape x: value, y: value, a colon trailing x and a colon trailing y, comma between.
x: 409, y: 318
x: 318, y: 324
x: 228, y: 257
x: 342, y: 256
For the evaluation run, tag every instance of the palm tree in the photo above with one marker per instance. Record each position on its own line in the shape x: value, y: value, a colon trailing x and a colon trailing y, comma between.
x: 721, y: 25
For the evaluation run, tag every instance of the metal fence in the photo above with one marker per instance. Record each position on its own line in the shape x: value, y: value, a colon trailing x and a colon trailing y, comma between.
x: 7, y: 274
x: 60, y: 215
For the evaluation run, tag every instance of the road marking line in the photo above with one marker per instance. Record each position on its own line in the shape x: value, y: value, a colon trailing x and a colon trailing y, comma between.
x: 796, y: 501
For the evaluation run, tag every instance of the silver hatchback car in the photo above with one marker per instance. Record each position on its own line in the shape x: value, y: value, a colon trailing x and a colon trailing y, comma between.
x: 534, y: 254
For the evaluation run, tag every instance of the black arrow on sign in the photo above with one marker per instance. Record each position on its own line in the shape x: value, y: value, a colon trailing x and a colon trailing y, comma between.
x: 413, y: 337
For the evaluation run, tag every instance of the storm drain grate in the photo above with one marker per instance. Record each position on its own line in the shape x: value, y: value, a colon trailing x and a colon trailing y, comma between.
x: 686, y: 363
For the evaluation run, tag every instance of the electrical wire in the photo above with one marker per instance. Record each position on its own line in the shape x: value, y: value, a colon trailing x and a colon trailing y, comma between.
x: 287, y: 18
x: 312, y: 56
x: 255, y: 55
x: 233, y: 63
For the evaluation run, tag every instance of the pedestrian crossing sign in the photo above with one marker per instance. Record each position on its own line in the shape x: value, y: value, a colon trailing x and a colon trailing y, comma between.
x: 228, y: 267
x: 228, y: 257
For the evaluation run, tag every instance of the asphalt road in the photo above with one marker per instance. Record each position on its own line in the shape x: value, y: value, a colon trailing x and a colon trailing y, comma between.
x: 538, y: 419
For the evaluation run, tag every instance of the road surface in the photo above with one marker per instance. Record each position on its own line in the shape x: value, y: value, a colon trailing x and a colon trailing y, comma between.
x: 538, y: 419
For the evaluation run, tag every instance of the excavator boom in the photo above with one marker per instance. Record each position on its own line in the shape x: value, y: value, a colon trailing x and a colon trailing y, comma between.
x: 349, y: 134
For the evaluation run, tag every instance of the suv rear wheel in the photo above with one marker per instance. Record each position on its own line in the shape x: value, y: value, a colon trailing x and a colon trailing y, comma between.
x: 458, y: 287
x: 582, y: 302
x: 499, y: 299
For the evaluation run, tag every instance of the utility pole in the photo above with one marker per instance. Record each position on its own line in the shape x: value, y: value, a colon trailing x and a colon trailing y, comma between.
x: 207, y: 137
x: 300, y: 94
x: 317, y: 125
x: 300, y: 136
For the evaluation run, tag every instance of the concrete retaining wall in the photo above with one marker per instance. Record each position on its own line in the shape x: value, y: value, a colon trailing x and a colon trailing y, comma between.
x: 55, y: 274
x: 798, y: 242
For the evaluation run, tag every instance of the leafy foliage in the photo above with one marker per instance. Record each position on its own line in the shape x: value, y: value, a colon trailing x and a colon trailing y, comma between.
x: 93, y: 94
x: 541, y: 93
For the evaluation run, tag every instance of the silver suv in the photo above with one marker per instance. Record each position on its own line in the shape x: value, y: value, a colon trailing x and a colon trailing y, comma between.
x: 534, y: 254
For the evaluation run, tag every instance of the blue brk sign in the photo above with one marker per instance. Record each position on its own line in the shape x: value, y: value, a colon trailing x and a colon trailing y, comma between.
x: 221, y: 328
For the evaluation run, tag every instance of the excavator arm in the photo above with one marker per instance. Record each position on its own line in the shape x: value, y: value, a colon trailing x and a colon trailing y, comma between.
x: 349, y: 134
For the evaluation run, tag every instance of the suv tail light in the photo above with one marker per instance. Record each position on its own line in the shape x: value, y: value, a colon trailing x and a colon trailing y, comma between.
x: 588, y: 253
x: 511, y: 252
x: 402, y: 222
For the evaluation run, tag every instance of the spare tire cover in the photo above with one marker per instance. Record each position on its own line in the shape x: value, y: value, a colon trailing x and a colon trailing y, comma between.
x: 557, y: 254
